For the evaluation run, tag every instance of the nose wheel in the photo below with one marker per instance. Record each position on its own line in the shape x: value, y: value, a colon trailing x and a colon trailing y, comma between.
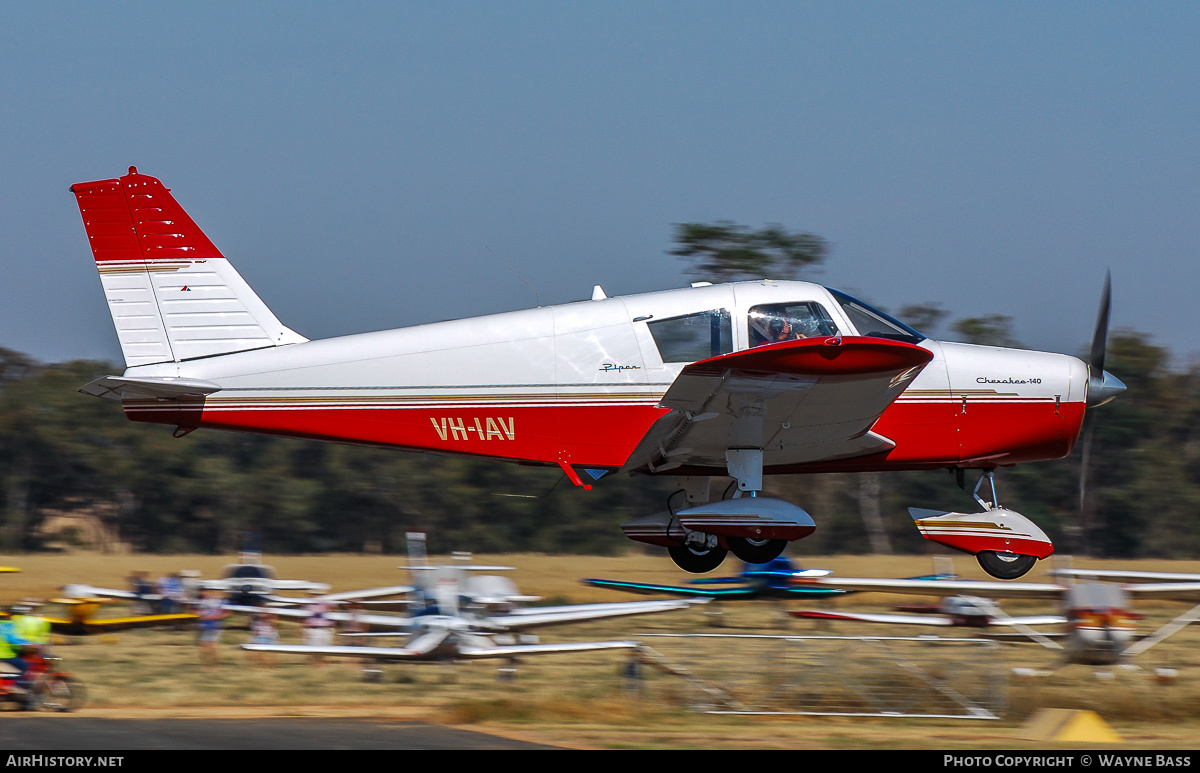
x: 1005, y: 565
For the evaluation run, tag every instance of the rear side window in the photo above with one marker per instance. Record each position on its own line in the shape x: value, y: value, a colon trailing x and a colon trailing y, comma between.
x: 694, y: 337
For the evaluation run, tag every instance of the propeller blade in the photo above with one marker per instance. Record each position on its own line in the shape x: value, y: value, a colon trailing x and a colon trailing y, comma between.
x: 1100, y: 336
x: 1102, y: 385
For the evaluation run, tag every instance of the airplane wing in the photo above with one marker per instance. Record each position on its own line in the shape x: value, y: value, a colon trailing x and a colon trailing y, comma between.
x: 234, y: 584
x: 1128, y: 575
x: 536, y: 617
x: 933, y: 620
x: 392, y: 653
x: 799, y: 401
x: 518, y: 650
x: 385, y: 622
x: 110, y: 624
x: 304, y: 585
x: 1172, y: 591
x: 466, y: 652
x: 350, y: 595
x: 983, y: 588
x: 866, y: 617
x: 1030, y: 620
x: 707, y: 589
x: 693, y: 591
x: 78, y: 591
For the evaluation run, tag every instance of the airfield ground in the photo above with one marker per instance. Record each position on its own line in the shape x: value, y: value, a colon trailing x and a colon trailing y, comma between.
x: 580, y: 701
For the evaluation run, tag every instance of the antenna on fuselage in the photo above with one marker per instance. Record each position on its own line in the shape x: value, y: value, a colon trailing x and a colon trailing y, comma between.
x: 536, y: 299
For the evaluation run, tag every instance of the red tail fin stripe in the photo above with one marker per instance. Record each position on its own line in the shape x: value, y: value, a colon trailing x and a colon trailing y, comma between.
x: 136, y: 218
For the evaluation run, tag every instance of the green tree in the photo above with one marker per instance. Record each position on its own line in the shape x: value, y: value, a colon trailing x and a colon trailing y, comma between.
x: 724, y: 251
x: 989, y: 330
x: 925, y: 317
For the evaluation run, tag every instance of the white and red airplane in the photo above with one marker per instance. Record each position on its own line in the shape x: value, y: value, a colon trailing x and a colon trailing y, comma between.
x: 1100, y: 622
x: 739, y: 380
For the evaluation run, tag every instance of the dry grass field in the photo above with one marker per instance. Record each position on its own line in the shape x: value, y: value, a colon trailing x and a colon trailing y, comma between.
x: 581, y: 700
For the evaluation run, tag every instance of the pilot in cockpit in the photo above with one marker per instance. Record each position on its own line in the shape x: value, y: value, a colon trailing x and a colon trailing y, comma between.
x: 780, y: 329
x: 787, y: 322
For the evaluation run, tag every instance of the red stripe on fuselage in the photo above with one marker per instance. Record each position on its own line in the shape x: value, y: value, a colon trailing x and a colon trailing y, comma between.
x: 928, y: 434
x: 589, y: 435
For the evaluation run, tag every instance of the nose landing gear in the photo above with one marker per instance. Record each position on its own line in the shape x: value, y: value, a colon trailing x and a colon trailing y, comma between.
x: 1005, y: 543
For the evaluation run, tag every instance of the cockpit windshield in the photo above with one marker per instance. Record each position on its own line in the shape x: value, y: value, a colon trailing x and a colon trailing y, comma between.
x: 872, y: 322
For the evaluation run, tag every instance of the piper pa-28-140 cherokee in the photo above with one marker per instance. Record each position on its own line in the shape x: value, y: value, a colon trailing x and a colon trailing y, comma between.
x: 738, y: 380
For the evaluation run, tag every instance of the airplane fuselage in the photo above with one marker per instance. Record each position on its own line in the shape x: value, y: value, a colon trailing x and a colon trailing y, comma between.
x: 580, y: 383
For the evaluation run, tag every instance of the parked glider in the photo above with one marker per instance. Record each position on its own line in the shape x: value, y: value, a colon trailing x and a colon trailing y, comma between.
x: 738, y: 380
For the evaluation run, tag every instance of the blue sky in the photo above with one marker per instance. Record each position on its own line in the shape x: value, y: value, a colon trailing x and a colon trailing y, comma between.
x: 378, y: 164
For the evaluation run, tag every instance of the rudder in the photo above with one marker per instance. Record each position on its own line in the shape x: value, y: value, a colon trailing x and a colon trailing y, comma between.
x: 173, y: 296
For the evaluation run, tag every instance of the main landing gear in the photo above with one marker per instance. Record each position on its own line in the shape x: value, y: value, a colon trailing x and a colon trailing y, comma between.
x: 699, y: 534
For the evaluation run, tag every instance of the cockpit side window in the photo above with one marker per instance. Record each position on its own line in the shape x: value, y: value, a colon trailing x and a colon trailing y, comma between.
x: 772, y: 323
x: 693, y: 337
x: 872, y: 322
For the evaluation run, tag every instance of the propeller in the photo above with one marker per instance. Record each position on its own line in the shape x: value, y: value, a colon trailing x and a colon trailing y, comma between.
x: 1102, y: 387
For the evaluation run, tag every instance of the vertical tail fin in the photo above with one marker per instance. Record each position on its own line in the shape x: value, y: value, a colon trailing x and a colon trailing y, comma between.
x: 173, y: 296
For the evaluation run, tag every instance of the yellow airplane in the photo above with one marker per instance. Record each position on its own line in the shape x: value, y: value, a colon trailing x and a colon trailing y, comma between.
x: 83, y: 622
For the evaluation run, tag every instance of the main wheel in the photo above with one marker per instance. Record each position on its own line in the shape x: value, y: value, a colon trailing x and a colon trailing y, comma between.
x: 59, y: 693
x: 1005, y: 566
x: 756, y: 551
x: 697, y: 562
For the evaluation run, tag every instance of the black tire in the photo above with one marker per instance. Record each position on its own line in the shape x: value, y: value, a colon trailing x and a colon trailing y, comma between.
x: 756, y: 551
x: 59, y: 693
x: 696, y: 562
x: 1005, y: 566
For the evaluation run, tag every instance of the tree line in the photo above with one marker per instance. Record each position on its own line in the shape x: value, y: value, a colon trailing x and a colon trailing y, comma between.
x: 68, y: 460
x: 66, y: 453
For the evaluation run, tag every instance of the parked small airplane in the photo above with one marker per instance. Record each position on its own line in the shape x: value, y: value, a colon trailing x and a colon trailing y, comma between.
x: 435, y: 584
x: 82, y: 619
x: 251, y: 579
x: 953, y: 611
x: 446, y: 632
x: 738, y: 380
x: 1098, y: 616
